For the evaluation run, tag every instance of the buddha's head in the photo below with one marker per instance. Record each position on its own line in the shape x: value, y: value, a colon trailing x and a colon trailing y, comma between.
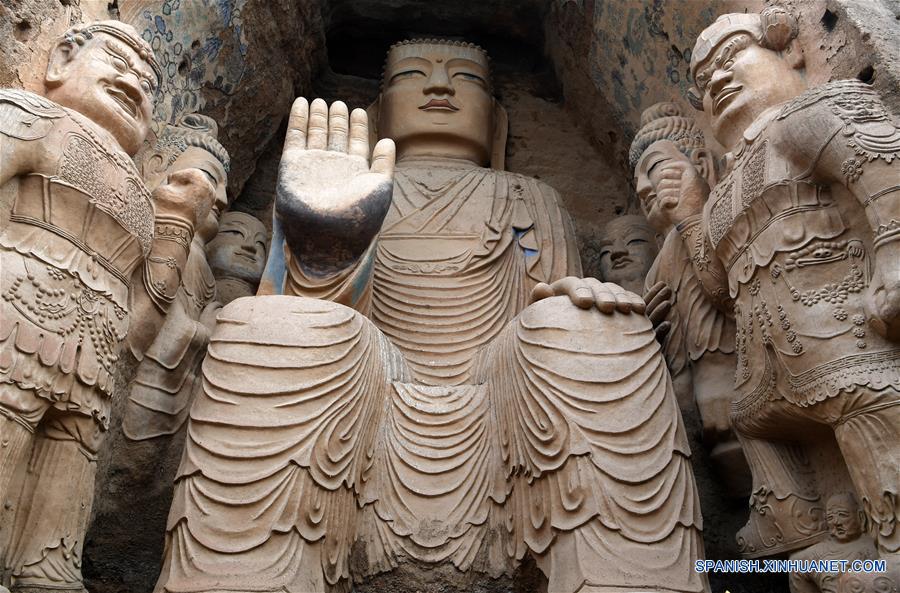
x: 436, y: 101
x: 239, y: 249
x: 666, y: 138
x: 106, y: 72
x: 844, y: 517
x: 742, y: 65
x: 627, y: 251
x: 191, y: 144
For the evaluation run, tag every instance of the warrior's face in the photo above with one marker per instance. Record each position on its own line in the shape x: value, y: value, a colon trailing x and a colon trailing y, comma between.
x: 740, y: 80
x: 108, y: 82
x: 197, y: 158
x: 437, y: 102
x: 239, y: 249
x: 656, y: 160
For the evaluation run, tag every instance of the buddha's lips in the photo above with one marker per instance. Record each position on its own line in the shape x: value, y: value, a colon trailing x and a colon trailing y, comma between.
x: 439, y: 104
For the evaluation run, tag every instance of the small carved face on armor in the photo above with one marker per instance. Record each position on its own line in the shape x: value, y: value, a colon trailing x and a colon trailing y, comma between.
x: 743, y: 65
x: 239, y: 249
x: 843, y: 516
x: 106, y: 73
x: 437, y: 100
x: 627, y: 251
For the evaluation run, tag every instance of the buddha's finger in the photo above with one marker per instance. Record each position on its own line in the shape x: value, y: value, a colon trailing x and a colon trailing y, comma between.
x: 604, y: 298
x: 295, y: 139
x: 359, y: 133
x: 317, y: 134
x: 338, y: 126
x: 578, y: 291
x: 637, y: 303
x: 383, y: 157
x: 541, y: 291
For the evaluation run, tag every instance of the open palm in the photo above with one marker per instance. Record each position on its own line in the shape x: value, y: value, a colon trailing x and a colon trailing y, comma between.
x: 330, y: 199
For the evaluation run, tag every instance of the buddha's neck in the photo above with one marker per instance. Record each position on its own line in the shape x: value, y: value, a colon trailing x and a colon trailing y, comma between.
x: 440, y: 152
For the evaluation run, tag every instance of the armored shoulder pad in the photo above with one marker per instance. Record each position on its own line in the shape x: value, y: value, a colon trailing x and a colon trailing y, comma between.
x: 25, y: 115
x: 868, y: 125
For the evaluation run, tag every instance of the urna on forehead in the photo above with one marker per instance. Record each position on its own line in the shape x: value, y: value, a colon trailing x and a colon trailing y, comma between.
x: 418, y: 48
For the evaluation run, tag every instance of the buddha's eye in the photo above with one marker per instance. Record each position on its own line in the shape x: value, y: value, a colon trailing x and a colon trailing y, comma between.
x: 405, y: 74
x: 637, y: 242
x: 728, y: 65
x: 147, y: 87
x: 469, y: 77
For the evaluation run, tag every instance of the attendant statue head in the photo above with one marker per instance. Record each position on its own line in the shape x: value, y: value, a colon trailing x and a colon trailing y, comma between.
x: 238, y: 251
x: 844, y: 517
x: 665, y: 139
x: 191, y: 144
x: 436, y: 102
x: 106, y: 72
x: 742, y: 65
x: 627, y: 251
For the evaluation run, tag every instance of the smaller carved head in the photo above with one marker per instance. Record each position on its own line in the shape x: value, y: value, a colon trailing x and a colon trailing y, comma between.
x: 627, y: 251
x: 191, y: 144
x: 666, y: 137
x: 106, y: 72
x: 845, y: 518
x: 239, y: 249
x: 742, y: 65
x: 436, y: 101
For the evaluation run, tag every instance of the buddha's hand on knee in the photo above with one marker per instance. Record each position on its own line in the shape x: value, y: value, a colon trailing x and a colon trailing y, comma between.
x: 660, y: 299
x: 330, y: 197
x: 590, y: 292
x: 883, y: 305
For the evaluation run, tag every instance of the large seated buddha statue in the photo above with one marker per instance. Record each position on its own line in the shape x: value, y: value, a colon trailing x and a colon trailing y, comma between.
x: 424, y: 379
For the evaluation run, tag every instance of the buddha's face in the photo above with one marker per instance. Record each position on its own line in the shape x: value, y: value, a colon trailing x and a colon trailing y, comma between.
x: 741, y: 80
x: 197, y: 158
x: 437, y: 102
x: 842, y: 514
x: 239, y: 249
x: 627, y: 252
x: 109, y: 83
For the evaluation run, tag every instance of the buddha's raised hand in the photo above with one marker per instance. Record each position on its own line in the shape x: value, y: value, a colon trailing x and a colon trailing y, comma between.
x: 330, y: 201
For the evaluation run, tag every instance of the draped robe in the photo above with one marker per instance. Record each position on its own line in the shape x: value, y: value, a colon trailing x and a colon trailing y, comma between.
x: 438, y: 417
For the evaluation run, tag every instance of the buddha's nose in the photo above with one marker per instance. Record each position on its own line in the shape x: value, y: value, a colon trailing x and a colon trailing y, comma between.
x: 439, y: 82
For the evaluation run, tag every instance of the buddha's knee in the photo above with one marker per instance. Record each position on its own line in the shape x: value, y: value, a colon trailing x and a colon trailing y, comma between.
x: 276, y: 333
x: 287, y: 369
x: 558, y: 335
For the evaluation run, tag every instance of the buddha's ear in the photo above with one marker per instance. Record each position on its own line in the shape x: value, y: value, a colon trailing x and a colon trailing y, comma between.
x: 498, y: 142
x: 373, y: 111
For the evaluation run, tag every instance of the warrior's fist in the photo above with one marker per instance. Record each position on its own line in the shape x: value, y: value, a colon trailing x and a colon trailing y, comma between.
x: 187, y: 194
x: 883, y: 305
x: 589, y: 292
x: 660, y: 299
x: 681, y: 191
